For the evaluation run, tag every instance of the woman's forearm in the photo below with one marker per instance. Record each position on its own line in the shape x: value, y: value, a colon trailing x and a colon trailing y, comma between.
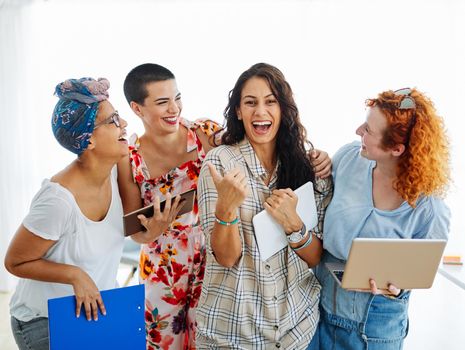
x: 226, y: 244
x: 145, y: 237
x: 225, y: 239
x: 44, y: 270
x: 311, y: 253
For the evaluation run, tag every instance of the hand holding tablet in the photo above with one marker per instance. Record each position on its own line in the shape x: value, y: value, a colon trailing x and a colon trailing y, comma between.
x: 132, y: 223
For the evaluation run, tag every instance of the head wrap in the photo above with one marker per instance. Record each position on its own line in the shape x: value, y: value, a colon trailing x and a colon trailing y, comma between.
x: 74, y: 114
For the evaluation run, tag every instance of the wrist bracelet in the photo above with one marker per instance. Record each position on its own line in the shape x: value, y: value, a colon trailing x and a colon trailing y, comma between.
x: 227, y: 223
x: 306, y: 244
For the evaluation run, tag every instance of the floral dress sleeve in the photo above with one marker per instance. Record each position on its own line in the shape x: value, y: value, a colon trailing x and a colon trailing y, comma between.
x: 211, y: 129
x: 139, y: 171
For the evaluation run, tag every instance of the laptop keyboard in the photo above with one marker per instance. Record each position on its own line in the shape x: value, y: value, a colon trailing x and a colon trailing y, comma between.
x: 338, y: 274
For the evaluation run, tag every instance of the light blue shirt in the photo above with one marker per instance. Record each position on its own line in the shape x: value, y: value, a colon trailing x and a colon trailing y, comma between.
x: 351, y: 214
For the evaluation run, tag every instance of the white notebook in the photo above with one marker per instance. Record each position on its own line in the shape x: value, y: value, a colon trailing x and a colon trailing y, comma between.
x: 270, y: 235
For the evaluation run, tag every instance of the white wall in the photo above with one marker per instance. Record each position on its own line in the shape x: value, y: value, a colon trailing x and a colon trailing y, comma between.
x: 335, y: 54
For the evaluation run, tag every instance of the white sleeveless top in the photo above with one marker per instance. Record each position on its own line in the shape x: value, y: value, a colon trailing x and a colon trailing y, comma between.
x: 95, y: 247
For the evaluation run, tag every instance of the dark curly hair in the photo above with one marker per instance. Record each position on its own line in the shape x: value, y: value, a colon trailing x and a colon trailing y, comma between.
x: 295, y: 168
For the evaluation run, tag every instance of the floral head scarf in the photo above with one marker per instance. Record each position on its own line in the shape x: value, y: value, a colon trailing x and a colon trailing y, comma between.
x: 74, y: 114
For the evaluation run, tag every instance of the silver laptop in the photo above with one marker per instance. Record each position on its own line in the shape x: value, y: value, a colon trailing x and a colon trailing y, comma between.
x: 405, y: 263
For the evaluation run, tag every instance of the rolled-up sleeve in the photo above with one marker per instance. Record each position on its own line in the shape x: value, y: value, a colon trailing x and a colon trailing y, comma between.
x: 323, y: 190
x: 207, y: 195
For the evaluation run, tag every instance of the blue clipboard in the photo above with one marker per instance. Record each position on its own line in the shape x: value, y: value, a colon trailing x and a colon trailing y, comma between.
x: 123, y: 327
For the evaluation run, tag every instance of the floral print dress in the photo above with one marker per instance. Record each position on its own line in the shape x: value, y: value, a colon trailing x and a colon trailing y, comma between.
x: 172, y: 267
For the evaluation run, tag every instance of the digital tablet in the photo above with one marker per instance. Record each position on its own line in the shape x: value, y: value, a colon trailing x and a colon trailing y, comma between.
x: 132, y: 223
x: 405, y: 263
x: 270, y: 235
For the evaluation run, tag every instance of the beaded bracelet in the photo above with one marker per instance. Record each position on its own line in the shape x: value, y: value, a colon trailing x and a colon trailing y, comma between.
x: 306, y: 244
x: 227, y: 223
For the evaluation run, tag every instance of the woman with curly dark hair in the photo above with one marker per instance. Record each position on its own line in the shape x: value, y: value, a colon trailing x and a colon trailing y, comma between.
x: 247, y: 302
x: 386, y: 186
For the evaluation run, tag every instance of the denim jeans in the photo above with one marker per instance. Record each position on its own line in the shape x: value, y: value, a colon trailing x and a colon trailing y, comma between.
x: 359, y: 320
x: 385, y: 328
x: 315, y: 342
x: 31, y: 335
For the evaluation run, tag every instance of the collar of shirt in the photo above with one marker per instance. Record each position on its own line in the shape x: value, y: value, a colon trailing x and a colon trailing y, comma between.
x: 253, y: 163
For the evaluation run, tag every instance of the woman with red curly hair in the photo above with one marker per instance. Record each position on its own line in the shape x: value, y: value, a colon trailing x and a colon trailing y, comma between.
x: 387, y: 185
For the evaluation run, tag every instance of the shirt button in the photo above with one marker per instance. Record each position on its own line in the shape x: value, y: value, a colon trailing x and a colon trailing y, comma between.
x: 276, y: 327
x: 275, y: 298
x: 267, y: 266
x: 278, y: 345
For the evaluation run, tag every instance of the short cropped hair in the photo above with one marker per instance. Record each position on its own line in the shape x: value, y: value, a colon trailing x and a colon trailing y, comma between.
x: 138, y: 78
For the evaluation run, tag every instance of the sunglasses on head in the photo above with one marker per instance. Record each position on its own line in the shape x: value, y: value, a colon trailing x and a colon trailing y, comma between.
x: 112, y: 119
x: 407, y: 101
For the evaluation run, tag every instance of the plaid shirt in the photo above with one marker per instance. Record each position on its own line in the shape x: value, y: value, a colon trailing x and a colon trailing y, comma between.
x: 255, y: 304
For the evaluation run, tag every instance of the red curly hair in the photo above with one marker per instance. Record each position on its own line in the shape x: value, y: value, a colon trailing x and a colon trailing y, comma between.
x: 423, y: 168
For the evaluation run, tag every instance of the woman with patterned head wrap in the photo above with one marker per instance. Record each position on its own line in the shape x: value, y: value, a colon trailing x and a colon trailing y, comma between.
x: 71, y: 240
